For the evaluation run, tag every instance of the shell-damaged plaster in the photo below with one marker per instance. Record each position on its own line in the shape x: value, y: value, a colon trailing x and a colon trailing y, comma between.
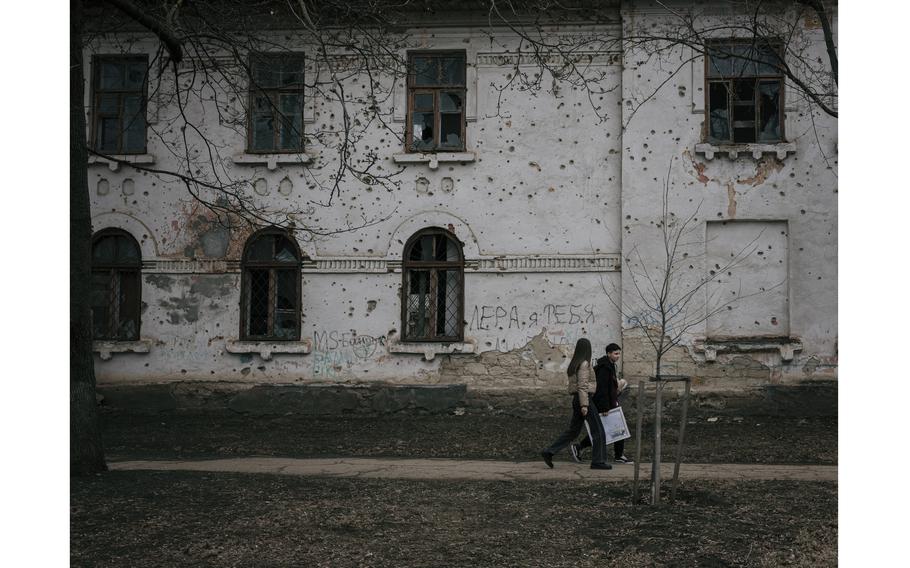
x: 545, y: 201
x: 780, y: 207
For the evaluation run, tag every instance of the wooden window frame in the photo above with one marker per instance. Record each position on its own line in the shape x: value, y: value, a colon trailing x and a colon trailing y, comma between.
x: 115, y: 270
x: 272, y: 266
x: 731, y: 82
x: 97, y: 92
x: 435, y: 90
x: 274, y: 96
x: 407, y: 265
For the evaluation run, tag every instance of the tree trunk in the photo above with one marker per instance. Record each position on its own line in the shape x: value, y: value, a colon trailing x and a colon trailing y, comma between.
x: 86, y: 451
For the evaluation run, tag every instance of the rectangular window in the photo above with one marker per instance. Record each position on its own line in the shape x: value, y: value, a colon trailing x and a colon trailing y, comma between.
x: 745, y: 93
x: 276, y: 102
x: 436, y: 101
x: 119, y: 85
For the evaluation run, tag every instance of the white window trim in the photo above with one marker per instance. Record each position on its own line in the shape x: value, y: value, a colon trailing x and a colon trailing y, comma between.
x: 105, y: 348
x: 265, y: 349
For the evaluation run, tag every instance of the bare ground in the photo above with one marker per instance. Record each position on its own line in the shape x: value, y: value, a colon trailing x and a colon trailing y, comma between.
x: 209, y: 434
x: 144, y: 519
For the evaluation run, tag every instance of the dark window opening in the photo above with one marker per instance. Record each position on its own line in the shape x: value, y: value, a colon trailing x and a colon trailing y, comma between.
x: 433, y: 287
x: 271, y: 287
x: 116, y: 286
x: 436, y: 94
x: 119, y: 85
x: 276, y: 103
x: 745, y: 92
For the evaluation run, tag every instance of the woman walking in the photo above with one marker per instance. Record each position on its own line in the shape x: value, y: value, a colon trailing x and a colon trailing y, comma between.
x: 581, y: 387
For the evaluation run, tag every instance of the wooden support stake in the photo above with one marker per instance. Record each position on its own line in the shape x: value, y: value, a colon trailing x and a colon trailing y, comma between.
x: 640, y: 413
x: 655, y: 462
x: 682, y: 433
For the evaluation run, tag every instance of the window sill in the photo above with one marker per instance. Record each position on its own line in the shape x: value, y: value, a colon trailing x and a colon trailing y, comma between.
x: 114, y: 165
x: 787, y: 346
x: 265, y: 349
x: 272, y: 161
x: 106, y: 348
x: 434, y: 159
x: 430, y: 350
x: 755, y: 150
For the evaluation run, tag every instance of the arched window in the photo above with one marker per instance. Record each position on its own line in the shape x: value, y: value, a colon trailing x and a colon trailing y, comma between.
x: 433, y: 286
x: 271, y: 287
x: 116, y: 295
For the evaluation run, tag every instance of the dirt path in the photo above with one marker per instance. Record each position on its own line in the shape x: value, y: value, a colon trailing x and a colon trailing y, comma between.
x: 477, y: 469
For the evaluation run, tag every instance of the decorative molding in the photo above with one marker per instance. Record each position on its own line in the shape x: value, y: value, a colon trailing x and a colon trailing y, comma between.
x: 548, y: 263
x: 755, y: 150
x: 372, y: 265
x: 265, y: 349
x: 106, y: 349
x: 504, y: 59
x: 194, y: 266
x: 340, y: 265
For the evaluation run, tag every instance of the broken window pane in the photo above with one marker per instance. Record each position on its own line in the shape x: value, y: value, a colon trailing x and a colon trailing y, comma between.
x: 292, y: 122
x: 756, y: 109
x: 422, y: 135
x: 134, y: 124
x: 449, y: 101
x: 450, y: 130
x: 284, y: 250
x: 437, y: 117
x: 718, y: 112
x: 769, y: 111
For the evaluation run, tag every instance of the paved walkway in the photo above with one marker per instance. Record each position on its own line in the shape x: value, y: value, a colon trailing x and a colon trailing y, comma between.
x: 477, y: 469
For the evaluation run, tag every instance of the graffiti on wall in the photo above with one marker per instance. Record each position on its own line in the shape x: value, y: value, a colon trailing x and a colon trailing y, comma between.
x: 564, y: 324
x: 335, y: 350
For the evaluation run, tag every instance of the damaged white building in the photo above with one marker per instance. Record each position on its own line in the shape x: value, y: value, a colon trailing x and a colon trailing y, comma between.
x: 457, y: 199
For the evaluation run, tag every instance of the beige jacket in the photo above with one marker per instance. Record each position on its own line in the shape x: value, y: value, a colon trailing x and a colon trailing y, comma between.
x: 582, y: 382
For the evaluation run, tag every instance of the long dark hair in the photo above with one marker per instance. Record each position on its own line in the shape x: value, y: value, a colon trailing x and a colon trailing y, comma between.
x: 582, y: 353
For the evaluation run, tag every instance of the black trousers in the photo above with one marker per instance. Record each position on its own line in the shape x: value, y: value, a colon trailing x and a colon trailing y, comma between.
x: 576, y: 424
x: 618, y: 447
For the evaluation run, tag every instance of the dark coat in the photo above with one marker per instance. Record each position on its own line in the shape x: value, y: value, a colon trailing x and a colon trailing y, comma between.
x: 607, y: 384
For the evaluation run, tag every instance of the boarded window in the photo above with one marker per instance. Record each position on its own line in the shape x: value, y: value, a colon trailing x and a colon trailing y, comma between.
x: 271, y: 287
x: 436, y: 97
x: 276, y: 102
x: 750, y: 298
x: 745, y: 93
x: 116, y: 289
x: 119, y: 87
x: 433, y: 287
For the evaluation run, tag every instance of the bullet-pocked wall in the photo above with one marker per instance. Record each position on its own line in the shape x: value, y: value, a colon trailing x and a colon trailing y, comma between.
x: 761, y: 214
x: 533, y: 202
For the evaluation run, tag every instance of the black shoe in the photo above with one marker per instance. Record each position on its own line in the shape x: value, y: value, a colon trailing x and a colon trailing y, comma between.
x: 547, y: 458
x: 573, y: 451
x: 601, y: 466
